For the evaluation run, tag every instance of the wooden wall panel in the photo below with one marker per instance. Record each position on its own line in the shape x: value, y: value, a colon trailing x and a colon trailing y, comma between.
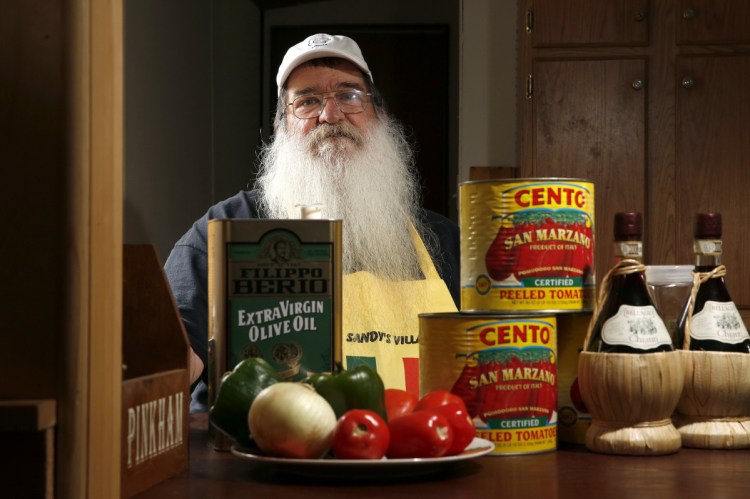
x: 31, y: 154
x: 61, y: 151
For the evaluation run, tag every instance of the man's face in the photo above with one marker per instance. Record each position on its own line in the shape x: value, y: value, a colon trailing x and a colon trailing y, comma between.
x: 358, y: 167
x: 319, y: 80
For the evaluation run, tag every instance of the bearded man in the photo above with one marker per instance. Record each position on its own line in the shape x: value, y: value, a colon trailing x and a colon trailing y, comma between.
x: 336, y: 146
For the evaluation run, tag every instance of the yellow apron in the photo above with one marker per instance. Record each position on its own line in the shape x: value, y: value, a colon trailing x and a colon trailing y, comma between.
x: 381, y: 324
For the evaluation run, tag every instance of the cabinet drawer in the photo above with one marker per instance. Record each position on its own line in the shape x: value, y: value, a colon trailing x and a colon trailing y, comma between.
x: 702, y: 22
x: 554, y: 23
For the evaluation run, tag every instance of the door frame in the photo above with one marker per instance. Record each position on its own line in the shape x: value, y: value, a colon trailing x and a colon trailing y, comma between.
x: 88, y: 448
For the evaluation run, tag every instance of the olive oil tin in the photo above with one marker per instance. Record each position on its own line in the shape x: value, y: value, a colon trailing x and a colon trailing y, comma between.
x: 274, y: 291
x: 504, y: 367
x: 527, y: 245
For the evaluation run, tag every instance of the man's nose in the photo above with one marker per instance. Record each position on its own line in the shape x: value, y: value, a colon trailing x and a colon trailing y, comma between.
x: 331, y: 112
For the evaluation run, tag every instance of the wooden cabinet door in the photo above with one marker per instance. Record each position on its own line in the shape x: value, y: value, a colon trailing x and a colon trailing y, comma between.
x: 713, y: 157
x: 713, y: 22
x: 582, y: 22
x: 588, y: 120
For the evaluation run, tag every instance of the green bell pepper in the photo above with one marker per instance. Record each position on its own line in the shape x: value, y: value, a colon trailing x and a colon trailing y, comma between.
x: 359, y: 388
x: 236, y: 394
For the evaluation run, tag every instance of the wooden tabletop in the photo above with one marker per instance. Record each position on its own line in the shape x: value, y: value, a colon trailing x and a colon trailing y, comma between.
x: 570, y: 471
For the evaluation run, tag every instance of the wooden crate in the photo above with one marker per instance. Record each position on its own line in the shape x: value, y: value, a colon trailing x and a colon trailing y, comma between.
x: 155, y: 387
x: 27, y: 448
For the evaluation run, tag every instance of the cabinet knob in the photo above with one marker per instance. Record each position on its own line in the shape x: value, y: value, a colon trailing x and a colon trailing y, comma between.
x: 639, y: 15
x: 688, y: 82
x: 638, y: 84
x: 688, y: 14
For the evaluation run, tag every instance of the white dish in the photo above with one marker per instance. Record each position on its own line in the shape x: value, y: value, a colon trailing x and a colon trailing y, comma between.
x: 478, y: 447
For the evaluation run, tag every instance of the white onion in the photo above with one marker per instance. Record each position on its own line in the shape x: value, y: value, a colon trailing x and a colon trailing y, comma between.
x: 292, y: 420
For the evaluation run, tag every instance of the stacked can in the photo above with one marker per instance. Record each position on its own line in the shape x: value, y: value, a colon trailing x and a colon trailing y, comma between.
x: 527, y: 260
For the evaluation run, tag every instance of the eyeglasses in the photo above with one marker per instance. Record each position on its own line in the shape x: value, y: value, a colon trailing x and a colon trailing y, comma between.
x: 311, y: 105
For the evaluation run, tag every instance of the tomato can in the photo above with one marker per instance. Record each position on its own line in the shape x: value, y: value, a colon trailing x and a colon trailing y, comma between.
x: 527, y: 245
x: 504, y: 366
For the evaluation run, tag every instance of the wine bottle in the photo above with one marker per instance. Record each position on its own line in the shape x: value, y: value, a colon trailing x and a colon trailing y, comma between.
x: 715, y: 323
x: 626, y: 320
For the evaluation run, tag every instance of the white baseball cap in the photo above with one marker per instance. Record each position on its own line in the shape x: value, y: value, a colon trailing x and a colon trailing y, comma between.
x: 317, y: 46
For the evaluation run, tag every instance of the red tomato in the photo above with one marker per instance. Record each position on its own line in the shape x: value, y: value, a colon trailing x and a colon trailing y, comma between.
x: 420, y: 434
x: 399, y: 402
x: 461, y: 424
x: 360, y: 434
x: 438, y: 398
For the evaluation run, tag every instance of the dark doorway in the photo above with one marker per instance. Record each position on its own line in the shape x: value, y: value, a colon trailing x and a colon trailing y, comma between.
x: 410, y: 67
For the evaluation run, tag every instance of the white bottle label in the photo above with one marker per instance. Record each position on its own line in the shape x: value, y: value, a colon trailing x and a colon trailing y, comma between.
x: 707, y: 247
x: 629, y: 249
x: 636, y: 327
x: 718, y: 321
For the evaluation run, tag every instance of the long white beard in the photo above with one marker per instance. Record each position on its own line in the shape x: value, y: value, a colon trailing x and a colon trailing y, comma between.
x: 369, y: 182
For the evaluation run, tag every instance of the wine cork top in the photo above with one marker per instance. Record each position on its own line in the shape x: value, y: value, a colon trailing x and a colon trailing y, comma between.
x: 707, y: 226
x: 628, y: 226
x: 310, y: 211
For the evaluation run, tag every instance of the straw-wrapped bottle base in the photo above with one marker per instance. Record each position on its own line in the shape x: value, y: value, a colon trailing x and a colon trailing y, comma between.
x: 631, y: 399
x: 729, y: 433
x: 646, y: 439
x: 714, y: 409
